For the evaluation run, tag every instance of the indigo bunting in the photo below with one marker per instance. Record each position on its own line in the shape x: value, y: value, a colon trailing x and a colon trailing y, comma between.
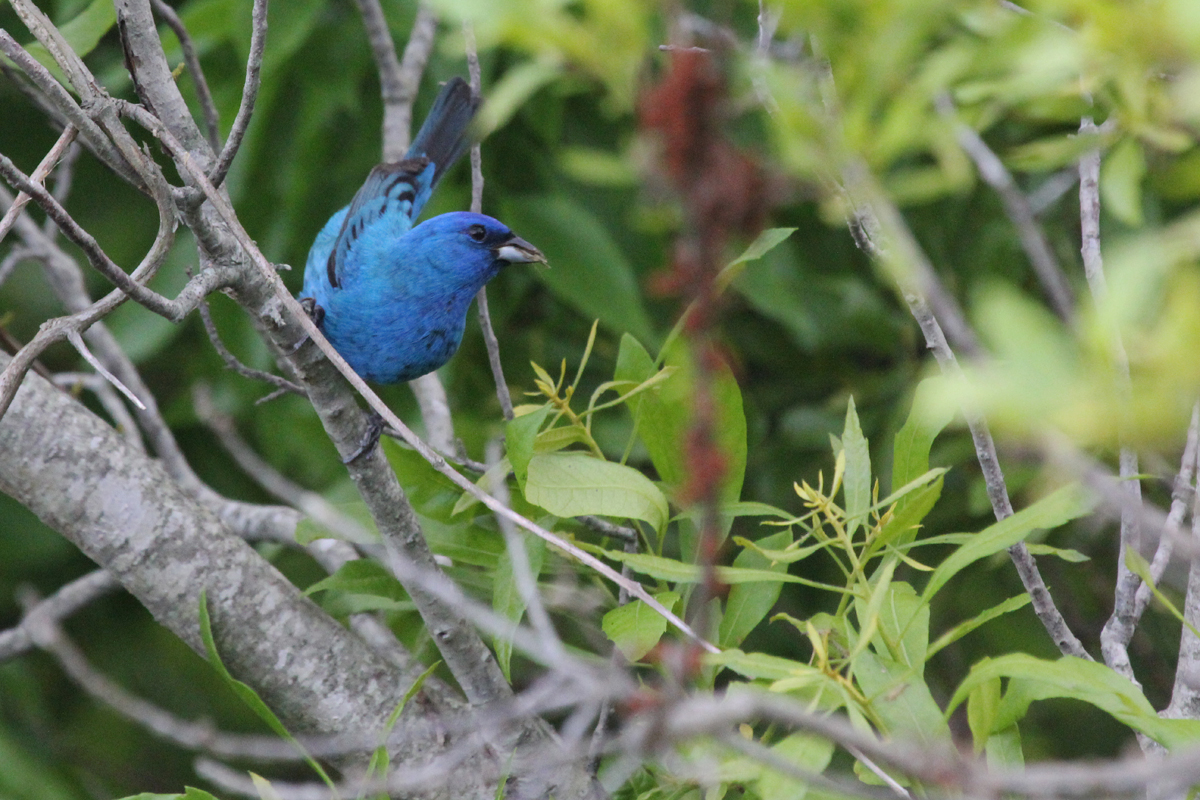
x: 391, y: 297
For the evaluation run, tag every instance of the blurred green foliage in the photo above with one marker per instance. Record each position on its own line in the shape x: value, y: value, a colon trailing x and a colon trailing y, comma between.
x: 804, y: 328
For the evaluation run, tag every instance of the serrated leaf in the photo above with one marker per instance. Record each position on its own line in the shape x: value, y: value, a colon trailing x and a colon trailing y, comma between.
x: 901, y: 699
x: 573, y: 484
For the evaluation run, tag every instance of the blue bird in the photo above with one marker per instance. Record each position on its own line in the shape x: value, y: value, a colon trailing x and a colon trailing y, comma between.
x: 391, y: 297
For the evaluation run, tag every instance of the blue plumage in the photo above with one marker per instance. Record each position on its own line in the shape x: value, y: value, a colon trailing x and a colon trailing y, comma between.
x: 393, y: 298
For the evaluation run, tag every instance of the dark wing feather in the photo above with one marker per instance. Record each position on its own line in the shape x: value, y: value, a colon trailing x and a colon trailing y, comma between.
x: 404, y: 186
x: 397, y: 188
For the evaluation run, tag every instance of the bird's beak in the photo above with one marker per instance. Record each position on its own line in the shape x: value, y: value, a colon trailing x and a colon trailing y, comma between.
x: 518, y: 251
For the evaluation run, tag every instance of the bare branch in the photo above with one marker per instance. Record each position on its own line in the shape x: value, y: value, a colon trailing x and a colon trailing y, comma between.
x: 1020, y: 212
x: 1185, y: 694
x: 60, y: 605
x: 398, y: 80
x: 77, y: 342
x: 39, y: 176
x: 879, y: 230
x: 91, y: 248
x: 57, y: 98
x: 258, y: 43
x: 232, y: 363
x: 192, y: 61
x: 481, y: 300
x: 1118, y: 631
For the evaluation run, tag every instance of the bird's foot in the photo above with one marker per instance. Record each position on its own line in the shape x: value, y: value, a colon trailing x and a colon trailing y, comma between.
x: 375, y: 428
x: 315, y: 313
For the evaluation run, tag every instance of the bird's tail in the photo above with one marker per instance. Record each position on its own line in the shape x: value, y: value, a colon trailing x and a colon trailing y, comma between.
x: 443, y: 136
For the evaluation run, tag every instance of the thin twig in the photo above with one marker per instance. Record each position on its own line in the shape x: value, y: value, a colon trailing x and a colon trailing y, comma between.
x: 39, y: 176
x: 60, y: 605
x: 522, y: 570
x: 59, y: 99
x: 192, y: 61
x: 258, y: 44
x: 232, y: 362
x: 1185, y: 694
x: 1118, y: 630
x: 481, y: 300
x: 1020, y: 212
x: 77, y: 342
x: 1181, y: 499
x: 86, y: 242
x: 123, y: 421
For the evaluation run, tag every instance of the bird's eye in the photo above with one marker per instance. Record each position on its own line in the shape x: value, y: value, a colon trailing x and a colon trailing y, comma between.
x: 477, y: 232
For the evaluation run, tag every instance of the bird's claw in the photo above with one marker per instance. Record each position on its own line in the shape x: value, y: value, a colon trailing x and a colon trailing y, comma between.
x: 315, y: 313
x: 375, y: 426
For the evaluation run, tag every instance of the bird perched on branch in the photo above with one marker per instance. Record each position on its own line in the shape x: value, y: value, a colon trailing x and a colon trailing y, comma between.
x: 393, y: 297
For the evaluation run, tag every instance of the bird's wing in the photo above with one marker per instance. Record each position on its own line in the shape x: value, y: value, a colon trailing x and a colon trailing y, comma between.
x: 397, y: 190
x: 401, y: 188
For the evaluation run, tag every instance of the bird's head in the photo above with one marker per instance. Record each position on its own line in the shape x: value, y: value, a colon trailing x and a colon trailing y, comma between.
x: 464, y: 240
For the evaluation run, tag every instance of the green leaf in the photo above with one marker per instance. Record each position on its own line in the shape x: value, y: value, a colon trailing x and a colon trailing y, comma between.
x: 1033, y: 679
x: 1121, y: 177
x: 749, y: 603
x: 906, y: 520
x: 635, y: 628
x: 983, y: 704
x: 963, y: 628
x: 83, y: 33
x: 363, y: 575
x: 811, y: 753
x: 573, y: 484
x: 910, y: 453
x: 1004, y: 749
x: 857, y: 480
x: 587, y: 269
x: 1066, y: 554
x: 247, y: 695
x: 520, y: 434
x: 767, y: 241
x: 759, y: 665
x: 904, y: 626
x: 1051, y: 511
x: 431, y: 493
x: 668, y: 569
x: 509, y: 93
x: 900, y: 698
